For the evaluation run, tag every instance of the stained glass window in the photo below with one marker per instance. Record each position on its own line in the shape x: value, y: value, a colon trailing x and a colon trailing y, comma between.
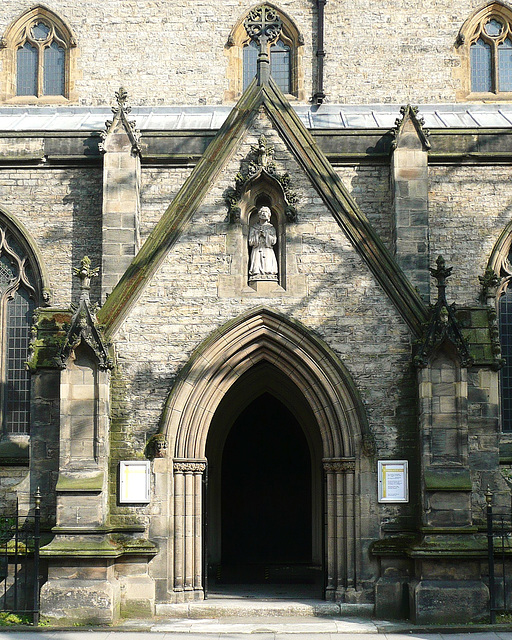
x: 505, y: 65
x: 26, y: 77
x: 505, y: 321
x: 490, y: 54
x: 53, y: 84
x: 17, y: 304
x: 280, y: 64
x: 17, y: 401
x: 481, y: 78
x: 41, y: 61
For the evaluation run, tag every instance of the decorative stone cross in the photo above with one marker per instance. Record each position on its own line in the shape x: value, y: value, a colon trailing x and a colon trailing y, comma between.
x: 263, y: 25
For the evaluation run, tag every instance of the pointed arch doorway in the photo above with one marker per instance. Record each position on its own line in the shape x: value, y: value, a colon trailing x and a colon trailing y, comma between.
x: 265, y: 497
x: 264, y: 352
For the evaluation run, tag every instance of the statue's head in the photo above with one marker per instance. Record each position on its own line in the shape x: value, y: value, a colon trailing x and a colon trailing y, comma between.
x: 264, y: 214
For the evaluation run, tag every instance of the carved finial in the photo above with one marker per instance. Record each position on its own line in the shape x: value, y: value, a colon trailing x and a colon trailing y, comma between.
x: 37, y: 498
x: 443, y: 324
x: 490, y: 282
x: 85, y: 273
x: 121, y: 99
x: 441, y: 274
x: 263, y: 26
x: 411, y: 111
x: 120, y: 111
x: 263, y: 151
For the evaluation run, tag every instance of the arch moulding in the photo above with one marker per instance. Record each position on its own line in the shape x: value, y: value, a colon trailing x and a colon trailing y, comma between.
x: 265, y: 337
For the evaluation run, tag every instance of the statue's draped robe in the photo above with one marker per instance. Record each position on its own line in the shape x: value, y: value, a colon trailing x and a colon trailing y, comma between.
x: 262, y: 237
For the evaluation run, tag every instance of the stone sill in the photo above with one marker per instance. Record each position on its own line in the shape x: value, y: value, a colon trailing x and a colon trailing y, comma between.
x: 448, y: 480
x: 70, y: 483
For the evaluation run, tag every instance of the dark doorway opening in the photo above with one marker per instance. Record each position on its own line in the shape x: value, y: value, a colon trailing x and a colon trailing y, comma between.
x: 266, y: 498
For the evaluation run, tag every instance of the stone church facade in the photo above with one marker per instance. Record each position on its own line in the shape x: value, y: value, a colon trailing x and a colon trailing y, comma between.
x: 279, y: 262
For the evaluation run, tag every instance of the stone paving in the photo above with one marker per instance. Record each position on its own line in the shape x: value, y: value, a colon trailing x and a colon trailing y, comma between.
x: 256, y: 630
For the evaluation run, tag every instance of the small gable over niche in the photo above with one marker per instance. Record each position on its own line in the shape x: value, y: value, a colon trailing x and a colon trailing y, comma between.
x: 39, y: 57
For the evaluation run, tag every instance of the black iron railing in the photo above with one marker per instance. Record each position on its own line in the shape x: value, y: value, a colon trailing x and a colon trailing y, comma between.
x: 499, y: 550
x: 19, y: 561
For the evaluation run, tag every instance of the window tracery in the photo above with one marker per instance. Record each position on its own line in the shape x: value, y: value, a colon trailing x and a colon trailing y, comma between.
x: 39, y: 58
x: 496, y: 283
x: 486, y: 41
x: 285, y: 58
x: 19, y: 295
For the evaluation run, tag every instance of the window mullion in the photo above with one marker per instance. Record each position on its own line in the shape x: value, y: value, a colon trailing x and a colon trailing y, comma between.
x: 495, y: 68
x: 40, y: 69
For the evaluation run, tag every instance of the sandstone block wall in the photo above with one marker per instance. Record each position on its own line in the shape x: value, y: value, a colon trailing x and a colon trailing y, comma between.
x: 176, y: 53
x: 469, y: 206
x: 62, y: 210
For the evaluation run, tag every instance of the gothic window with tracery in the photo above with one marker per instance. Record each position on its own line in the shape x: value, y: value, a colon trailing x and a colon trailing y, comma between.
x: 487, y: 51
x: 18, y: 295
x: 285, y: 57
x: 38, y: 58
x: 40, y: 61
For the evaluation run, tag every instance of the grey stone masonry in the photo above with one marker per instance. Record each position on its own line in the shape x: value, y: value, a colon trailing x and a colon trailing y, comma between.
x: 409, y: 179
x: 121, y: 196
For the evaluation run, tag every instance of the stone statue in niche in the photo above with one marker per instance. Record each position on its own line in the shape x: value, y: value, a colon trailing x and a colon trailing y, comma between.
x: 262, y: 238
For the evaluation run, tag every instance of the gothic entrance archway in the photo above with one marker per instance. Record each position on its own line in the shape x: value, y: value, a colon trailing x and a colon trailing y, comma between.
x: 260, y: 353
x: 265, y: 493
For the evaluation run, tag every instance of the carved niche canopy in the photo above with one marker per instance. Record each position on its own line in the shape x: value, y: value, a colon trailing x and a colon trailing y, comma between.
x: 442, y: 325
x: 259, y: 164
x: 83, y: 326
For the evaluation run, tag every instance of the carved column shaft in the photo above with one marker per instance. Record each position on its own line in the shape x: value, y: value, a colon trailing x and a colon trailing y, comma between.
x: 188, y: 553
x: 340, y: 527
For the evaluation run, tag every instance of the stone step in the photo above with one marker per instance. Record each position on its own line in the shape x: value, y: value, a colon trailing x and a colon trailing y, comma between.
x: 265, y: 608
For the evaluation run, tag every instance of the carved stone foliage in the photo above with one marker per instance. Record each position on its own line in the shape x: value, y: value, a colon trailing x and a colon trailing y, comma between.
x: 260, y: 162
x: 120, y: 112
x: 339, y: 466
x: 490, y: 281
x: 442, y: 325
x: 189, y: 467
x: 83, y: 326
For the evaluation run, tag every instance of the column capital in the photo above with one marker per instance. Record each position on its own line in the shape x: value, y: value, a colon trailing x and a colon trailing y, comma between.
x: 189, y: 466
x: 337, y: 465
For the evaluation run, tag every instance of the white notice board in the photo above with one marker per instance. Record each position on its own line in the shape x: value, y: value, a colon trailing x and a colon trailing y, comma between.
x: 134, y: 481
x: 393, y: 481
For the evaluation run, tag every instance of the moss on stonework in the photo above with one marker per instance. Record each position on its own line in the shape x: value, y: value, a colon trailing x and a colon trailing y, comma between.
x: 136, y: 609
x: 14, y: 452
x: 104, y: 546
x: 448, y: 480
x: 78, y: 483
x: 392, y: 546
x: 475, y: 326
x: 50, y: 330
x: 122, y: 447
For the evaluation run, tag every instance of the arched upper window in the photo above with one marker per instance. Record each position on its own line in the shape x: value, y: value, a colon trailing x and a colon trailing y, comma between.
x: 280, y: 64
x: 486, y: 41
x: 20, y: 294
x: 38, y: 58
x: 285, y: 59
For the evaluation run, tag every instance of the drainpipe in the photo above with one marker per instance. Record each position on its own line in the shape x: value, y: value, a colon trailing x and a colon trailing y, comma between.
x: 319, y: 96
